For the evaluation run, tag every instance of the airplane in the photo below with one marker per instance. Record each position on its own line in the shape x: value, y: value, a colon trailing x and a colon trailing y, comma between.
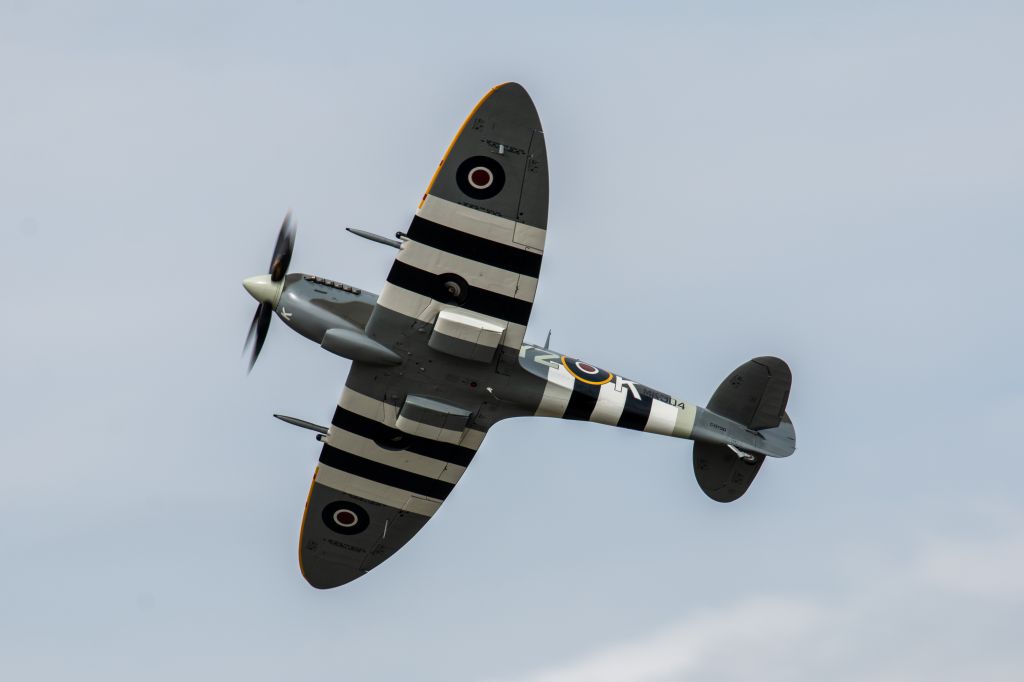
x: 439, y: 356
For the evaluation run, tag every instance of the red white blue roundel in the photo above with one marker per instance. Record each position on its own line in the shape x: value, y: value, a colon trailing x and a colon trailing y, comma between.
x: 480, y: 177
x: 346, y: 518
x: 586, y: 372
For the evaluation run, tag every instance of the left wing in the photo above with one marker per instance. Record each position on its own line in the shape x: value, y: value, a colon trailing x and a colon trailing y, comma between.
x: 376, y: 485
x: 477, y: 240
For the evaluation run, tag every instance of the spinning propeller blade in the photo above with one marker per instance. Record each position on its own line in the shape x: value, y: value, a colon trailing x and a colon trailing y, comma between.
x: 258, y: 331
x: 283, y: 249
x: 267, y: 288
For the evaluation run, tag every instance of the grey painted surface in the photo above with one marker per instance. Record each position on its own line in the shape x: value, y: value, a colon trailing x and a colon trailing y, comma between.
x: 460, y: 348
x: 426, y: 410
x: 330, y: 559
x: 356, y: 346
x: 312, y: 308
x: 754, y: 394
x: 509, y: 119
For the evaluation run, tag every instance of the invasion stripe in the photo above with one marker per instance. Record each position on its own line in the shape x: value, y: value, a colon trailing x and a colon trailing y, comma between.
x: 400, y: 459
x: 582, y: 401
x: 609, y: 404
x: 663, y: 418
x: 474, y: 248
x: 382, y: 473
x: 478, y: 300
x: 372, y: 408
x: 378, y: 432
x: 359, y: 487
x: 636, y: 413
x: 476, y: 273
x: 557, y: 392
x: 470, y: 220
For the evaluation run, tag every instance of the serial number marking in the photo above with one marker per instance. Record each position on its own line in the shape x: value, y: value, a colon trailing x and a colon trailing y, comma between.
x: 343, y: 545
x: 506, y: 148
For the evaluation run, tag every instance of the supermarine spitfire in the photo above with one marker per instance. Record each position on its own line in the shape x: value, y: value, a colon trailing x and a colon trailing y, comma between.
x: 439, y: 356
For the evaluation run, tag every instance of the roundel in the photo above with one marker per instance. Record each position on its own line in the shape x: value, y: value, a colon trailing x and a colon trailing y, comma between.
x: 453, y: 289
x: 586, y: 372
x: 480, y: 177
x: 345, y: 518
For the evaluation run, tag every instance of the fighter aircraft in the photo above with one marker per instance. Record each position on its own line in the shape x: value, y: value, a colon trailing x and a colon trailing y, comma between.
x: 439, y: 357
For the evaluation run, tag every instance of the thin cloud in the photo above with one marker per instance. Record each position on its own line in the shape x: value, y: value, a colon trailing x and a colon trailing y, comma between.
x: 919, y: 622
x: 687, y: 650
x: 993, y: 569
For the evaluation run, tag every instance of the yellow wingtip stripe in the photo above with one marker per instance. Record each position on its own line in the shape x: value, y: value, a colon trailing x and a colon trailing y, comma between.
x: 305, y: 511
x: 458, y: 134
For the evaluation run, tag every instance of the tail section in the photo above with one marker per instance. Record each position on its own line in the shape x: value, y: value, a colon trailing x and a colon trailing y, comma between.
x: 745, y: 421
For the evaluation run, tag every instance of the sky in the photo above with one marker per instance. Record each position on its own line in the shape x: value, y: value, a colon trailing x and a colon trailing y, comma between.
x: 838, y: 184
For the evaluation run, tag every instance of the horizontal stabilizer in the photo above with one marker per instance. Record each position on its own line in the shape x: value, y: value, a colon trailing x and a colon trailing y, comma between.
x: 755, y: 394
x: 744, y: 421
x: 721, y: 474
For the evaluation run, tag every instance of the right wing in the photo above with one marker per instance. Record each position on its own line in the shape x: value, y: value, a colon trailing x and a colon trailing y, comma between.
x: 375, y: 487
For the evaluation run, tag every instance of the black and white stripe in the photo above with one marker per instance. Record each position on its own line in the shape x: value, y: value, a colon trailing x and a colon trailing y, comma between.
x: 582, y: 401
x: 358, y: 425
x: 617, y: 403
x: 477, y: 298
x: 385, y: 474
x: 497, y: 258
x: 366, y: 456
x: 482, y: 249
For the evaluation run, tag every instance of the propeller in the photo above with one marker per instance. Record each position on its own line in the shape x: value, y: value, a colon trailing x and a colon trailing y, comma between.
x: 267, y: 288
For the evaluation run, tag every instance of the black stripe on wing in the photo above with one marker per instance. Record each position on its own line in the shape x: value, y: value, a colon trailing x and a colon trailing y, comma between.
x: 475, y: 248
x: 476, y: 299
x: 391, y: 438
x: 382, y: 473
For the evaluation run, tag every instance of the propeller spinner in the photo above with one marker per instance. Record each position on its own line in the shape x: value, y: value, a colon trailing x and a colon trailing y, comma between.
x: 267, y: 288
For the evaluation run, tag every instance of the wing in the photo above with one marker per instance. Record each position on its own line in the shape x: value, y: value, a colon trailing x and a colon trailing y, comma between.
x: 477, y: 239
x: 376, y: 485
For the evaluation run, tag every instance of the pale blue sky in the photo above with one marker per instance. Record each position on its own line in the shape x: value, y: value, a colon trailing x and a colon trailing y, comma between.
x: 840, y: 185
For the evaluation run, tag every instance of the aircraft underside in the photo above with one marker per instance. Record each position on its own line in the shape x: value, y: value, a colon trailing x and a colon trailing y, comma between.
x: 439, y: 356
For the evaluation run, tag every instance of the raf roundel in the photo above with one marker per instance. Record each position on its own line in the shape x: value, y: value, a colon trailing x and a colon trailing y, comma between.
x: 346, y: 518
x: 480, y: 177
x: 586, y: 372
